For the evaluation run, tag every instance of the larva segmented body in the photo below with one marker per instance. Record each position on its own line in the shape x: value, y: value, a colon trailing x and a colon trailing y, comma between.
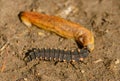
x: 56, y: 54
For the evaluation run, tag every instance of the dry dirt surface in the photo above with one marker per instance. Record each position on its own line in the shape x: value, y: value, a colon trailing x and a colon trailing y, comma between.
x: 102, y: 17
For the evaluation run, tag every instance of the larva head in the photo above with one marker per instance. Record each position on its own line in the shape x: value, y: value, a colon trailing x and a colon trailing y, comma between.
x: 86, y: 40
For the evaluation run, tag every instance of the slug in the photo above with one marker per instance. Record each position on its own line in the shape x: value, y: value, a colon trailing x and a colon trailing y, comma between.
x: 60, y: 26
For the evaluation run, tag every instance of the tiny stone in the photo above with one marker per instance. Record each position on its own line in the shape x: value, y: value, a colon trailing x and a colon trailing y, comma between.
x: 41, y: 34
x: 117, y: 61
x: 81, y: 59
x: 61, y: 39
x: 106, y: 30
x: 38, y: 73
x: 25, y: 79
x: 99, y: 60
x: 82, y: 71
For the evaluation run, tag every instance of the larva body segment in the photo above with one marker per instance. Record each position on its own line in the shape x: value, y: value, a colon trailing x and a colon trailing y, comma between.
x: 56, y: 54
x: 60, y: 26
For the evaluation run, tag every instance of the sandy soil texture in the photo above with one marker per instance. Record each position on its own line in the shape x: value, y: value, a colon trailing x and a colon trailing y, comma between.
x: 102, y: 17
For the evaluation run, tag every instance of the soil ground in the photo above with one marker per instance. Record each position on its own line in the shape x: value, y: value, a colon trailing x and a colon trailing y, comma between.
x: 102, y: 17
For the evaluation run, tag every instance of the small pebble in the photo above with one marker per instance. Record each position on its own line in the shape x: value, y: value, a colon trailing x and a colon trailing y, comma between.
x: 117, y: 61
x: 41, y: 34
x: 82, y: 71
x: 99, y: 60
x: 25, y: 79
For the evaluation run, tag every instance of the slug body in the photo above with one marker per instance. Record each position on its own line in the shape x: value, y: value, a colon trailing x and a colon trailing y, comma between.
x: 56, y: 55
x: 59, y: 26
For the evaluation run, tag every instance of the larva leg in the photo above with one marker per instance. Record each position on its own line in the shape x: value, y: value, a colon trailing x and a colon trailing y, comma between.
x: 57, y: 53
x: 61, y: 55
x: 67, y: 56
x: 38, y: 53
x: 42, y: 51
x: 47, y: 54
x: 75, y: 56
x: 52, y: 54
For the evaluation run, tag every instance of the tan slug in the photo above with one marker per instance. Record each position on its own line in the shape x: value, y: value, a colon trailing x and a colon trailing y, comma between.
x: 59, y: 26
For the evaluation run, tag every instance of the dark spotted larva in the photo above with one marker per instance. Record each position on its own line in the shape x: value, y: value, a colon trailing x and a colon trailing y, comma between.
x: 56, y: 54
